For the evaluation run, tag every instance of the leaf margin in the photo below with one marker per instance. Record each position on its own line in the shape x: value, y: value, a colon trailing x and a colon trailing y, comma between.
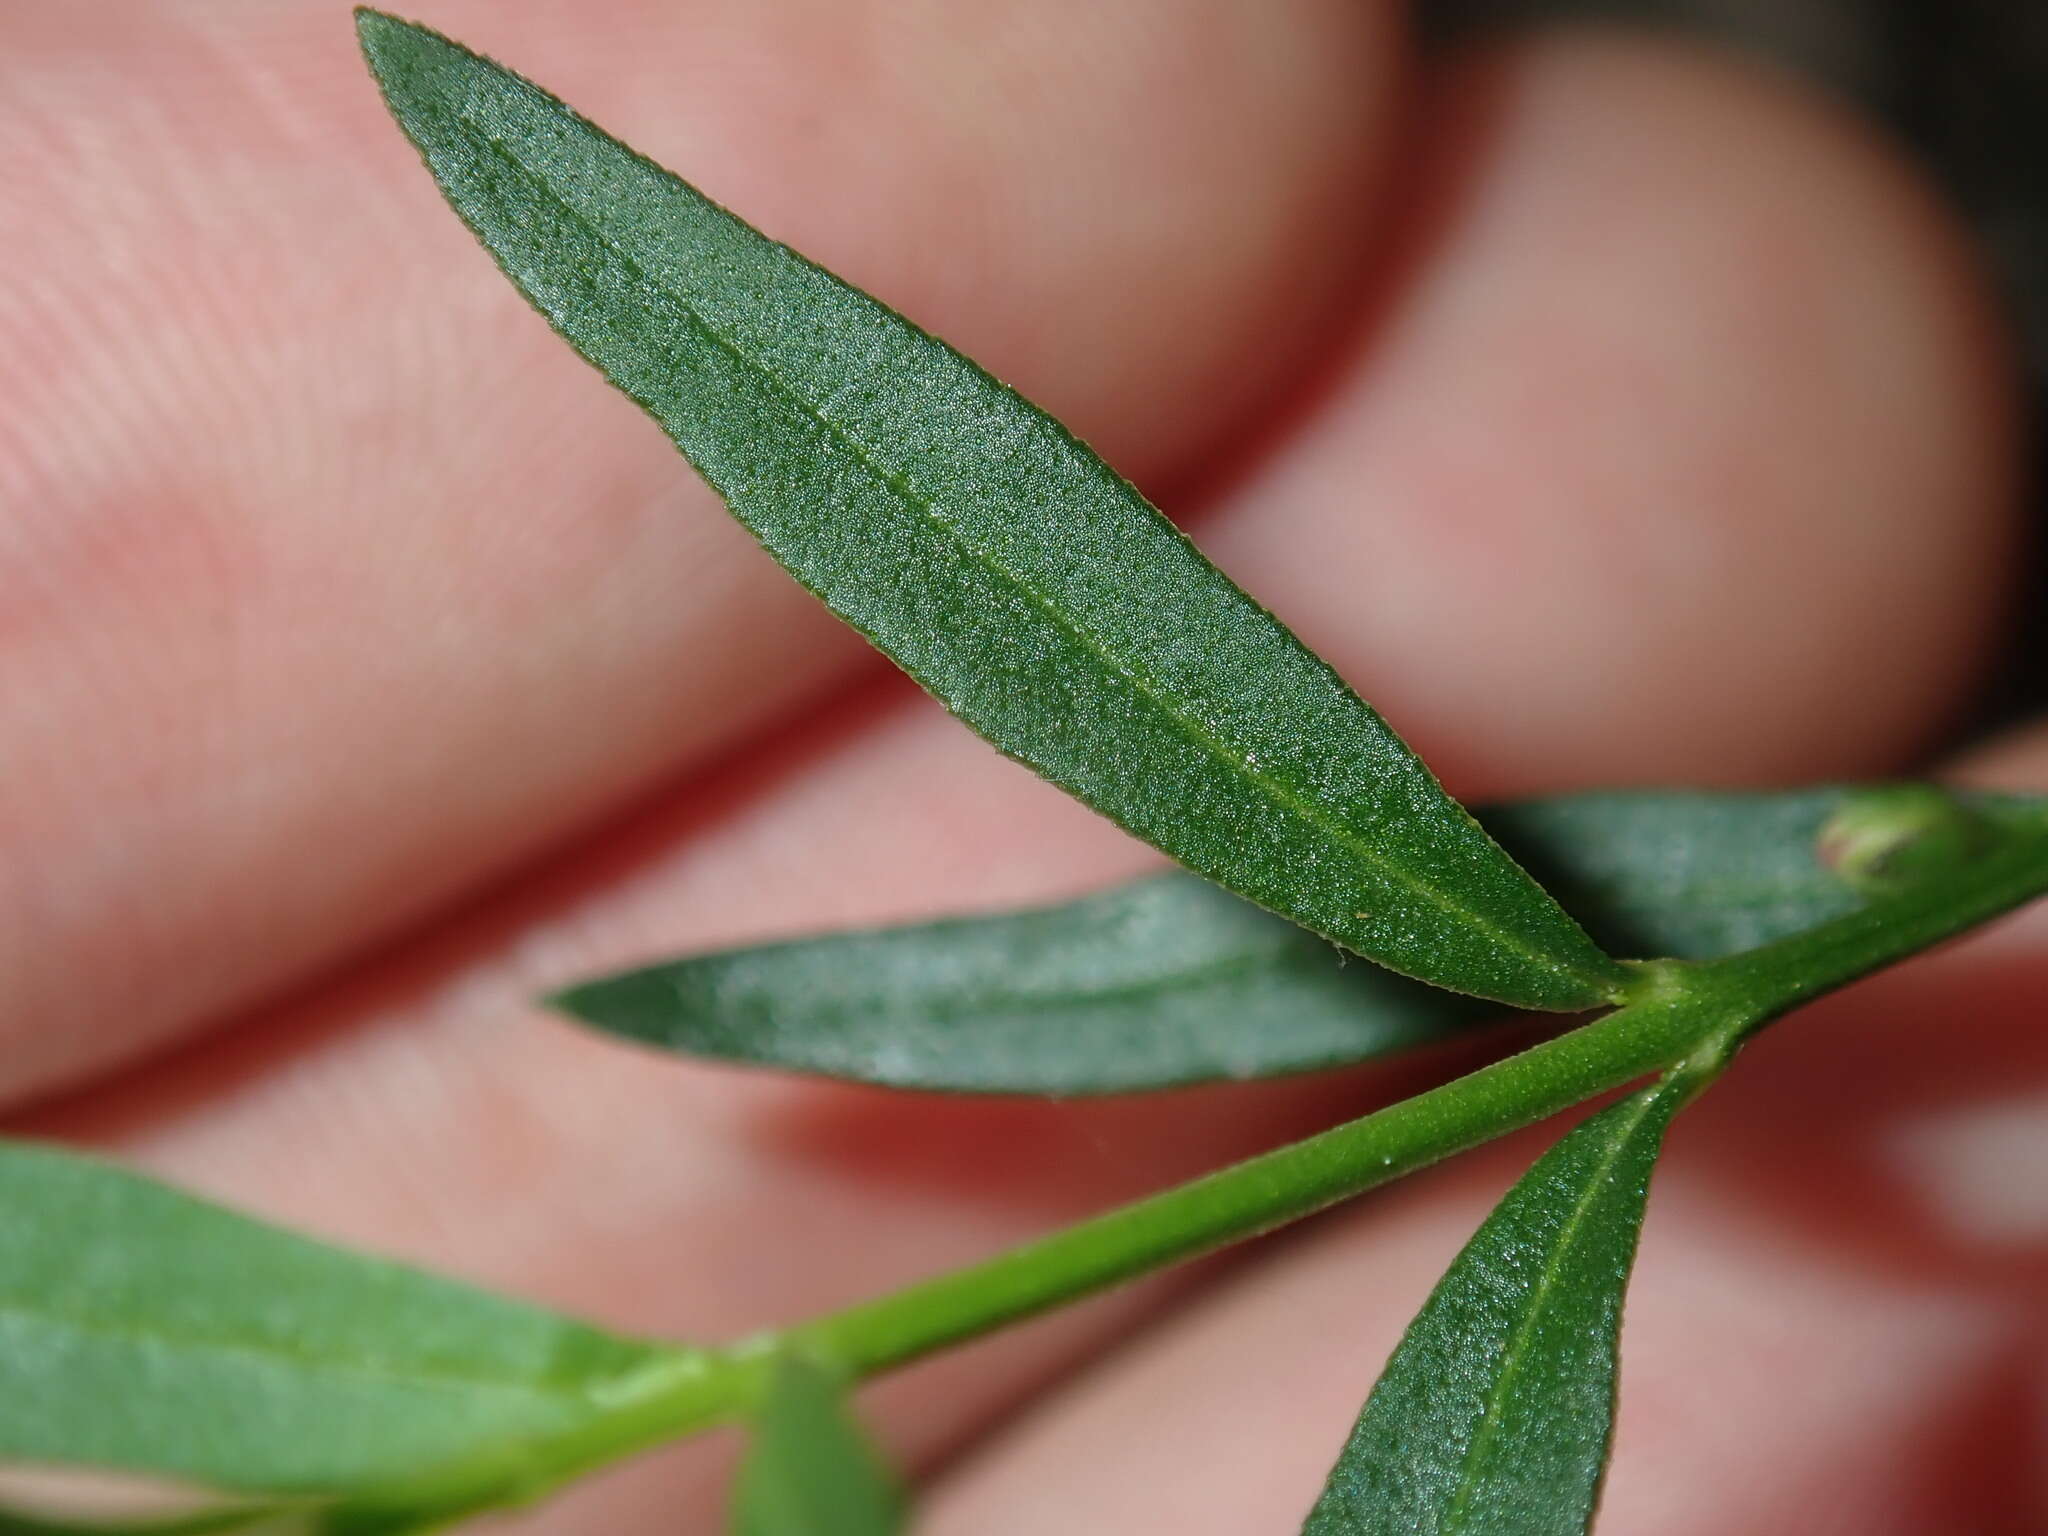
x: 1384, y: 1482
x: 1556, y: 966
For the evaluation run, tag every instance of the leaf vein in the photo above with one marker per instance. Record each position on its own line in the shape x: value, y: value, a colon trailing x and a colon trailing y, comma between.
x: 1515, y: 1354
x: 275, y: 1355
x: 1278, y: 791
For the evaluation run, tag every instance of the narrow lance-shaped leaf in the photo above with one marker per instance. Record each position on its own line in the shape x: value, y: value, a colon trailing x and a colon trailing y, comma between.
x: 810, y: 1471
x: 145, y: 1330
x: 1494, y: 1415
x: 982, y: 546
x: 1169, y: 980
x: 1166, y: 981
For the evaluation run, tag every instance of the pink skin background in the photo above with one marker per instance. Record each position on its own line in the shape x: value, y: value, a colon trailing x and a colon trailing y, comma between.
x: 1609, y: 410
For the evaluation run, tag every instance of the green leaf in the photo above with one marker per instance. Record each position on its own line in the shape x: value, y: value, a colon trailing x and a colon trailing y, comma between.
x: 1169, y: 980
x: 982, y: 546
x: 1494, y: 1415
x: 809, y: 1470
x: 1698, y: 875
x: 1893, y: 836
x: 145, y: 1330
x: 1165, y: 981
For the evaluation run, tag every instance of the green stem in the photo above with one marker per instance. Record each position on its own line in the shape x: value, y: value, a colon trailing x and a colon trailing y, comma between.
x: 1262, y: 1192
x: 1796, y: 970
x: 1678, y: 1014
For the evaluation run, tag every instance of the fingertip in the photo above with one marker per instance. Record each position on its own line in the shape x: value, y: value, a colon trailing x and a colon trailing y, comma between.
x: 2013, y: 761
x: 1684, y: 452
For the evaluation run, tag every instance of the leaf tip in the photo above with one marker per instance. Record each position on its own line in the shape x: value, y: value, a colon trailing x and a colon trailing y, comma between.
x: 395, y: 48
x: 375, y: 27
x: 633, y: 1005
x: 585, y: 1001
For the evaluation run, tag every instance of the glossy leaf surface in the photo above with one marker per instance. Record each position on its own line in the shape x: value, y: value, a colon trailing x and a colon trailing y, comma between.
x: 810, y: 1471
x: 1494, y: 1415
x: 1169, y: 980
x: 983, y: 547
x: 149, y: 1331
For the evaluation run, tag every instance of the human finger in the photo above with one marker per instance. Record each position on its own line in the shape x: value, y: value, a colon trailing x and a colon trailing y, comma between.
x: 429, y: 1064
x: 334, y: 584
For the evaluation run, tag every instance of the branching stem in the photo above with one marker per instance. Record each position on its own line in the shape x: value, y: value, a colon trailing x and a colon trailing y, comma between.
x: 1677, y: 1014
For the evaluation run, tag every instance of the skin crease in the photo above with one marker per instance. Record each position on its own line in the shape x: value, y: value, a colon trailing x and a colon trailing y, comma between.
x: 1763, y: 421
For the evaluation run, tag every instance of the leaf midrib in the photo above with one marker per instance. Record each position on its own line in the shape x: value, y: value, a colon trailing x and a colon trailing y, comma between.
x: 959, y: 1003
x: 1190, y: 728
x: 1514, y: 1356
x: 586, y: 1397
